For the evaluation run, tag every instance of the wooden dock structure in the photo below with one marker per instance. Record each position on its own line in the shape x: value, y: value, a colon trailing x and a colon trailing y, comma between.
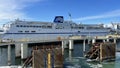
x: 102, y: 51
x: 46, y: 57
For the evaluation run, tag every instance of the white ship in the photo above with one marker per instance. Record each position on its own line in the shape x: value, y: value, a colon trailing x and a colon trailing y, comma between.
x: 32, y: 30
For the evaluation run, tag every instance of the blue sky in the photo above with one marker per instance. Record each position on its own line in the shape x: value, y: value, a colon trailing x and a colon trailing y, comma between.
x: 82, y: 11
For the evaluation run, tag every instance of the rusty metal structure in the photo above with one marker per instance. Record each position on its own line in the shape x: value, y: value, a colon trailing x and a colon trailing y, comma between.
x: 45, y: 57
x: 102, y: 51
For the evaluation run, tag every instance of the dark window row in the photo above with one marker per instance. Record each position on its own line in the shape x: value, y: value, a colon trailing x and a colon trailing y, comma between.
x: 26, y: 31
x: 34, y: 26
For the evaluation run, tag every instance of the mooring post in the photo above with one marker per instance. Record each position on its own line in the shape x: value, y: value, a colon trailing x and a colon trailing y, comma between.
x: 70, y: 44
x: 24, y: 50
x: 9, y: 55
x: 49, y: 60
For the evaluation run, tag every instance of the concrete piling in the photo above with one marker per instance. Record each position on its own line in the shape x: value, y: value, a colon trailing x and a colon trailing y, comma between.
x: 108, y: 40
x: 70, y: 44
x: 63, y: 44
x: 70, y: 55
x: 9, y: 55
x: 17, y: 50
x: 24, y: 50
x: 93, y: 40
x: 84, y: 46
x: 104, y: 40
x: 88, y: 41
x: 114, y: 40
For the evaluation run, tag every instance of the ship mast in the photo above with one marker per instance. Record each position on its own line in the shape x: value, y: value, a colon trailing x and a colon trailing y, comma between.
x: 70, y: 16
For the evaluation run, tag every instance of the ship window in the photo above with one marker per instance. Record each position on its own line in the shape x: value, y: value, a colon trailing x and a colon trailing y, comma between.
x: 33, y: 31
x: 1, y: 31
x: 17, y: 25
x: 30, y: 25
x: 43, y: 26
x: 78, y: 31
x: 20, y: 31
x: 34, y: 26
x: 39, y: 26
x: 49, y: 26
x: 81, y: 27
x: 27, y: 26
x: 24, y: 26
x: 26, y: 31
x: 21, y: 26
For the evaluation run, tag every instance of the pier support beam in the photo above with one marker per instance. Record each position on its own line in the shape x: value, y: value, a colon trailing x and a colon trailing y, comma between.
x: 70, y: 55
x: 17, y: 49
x: 107, y: 39
x: 104, y: 40
x: 114, y: 40
x: 88, y: 41
x: 84, y: 47
x: 9, y: 55
x: 24, y: 50
x: 70, y: 44
x: 93, y: 41
x: 64, y: 44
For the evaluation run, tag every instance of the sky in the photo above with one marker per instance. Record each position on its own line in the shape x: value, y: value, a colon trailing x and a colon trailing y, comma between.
x: 82, y: 11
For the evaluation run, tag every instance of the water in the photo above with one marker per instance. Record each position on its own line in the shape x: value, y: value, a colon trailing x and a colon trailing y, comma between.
x: 72, y: 59
x: 4, y: 54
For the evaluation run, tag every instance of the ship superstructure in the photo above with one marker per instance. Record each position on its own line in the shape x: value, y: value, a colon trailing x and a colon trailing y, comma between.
x: 33, y: 30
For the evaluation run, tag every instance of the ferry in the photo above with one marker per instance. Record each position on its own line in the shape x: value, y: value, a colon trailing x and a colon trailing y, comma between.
x: 19, y: 30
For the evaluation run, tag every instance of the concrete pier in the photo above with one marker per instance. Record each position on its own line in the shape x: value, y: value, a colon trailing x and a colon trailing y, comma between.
x: 24, y: 50
x: 21, y: 48
x: 9, y: 55
x: 70, y: 44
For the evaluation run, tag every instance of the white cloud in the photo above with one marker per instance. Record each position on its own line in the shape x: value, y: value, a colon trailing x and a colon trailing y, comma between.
x: 12, y: 9
x: 110, y: 14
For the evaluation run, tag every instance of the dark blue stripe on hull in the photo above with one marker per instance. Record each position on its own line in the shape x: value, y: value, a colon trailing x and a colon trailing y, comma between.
x: 64, y: 33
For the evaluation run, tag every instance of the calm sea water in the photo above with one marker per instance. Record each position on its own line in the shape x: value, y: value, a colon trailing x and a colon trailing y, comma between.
x: 72, y: 59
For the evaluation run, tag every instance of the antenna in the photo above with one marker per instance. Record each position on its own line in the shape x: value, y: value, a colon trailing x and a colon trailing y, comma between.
x: 70, y: 16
